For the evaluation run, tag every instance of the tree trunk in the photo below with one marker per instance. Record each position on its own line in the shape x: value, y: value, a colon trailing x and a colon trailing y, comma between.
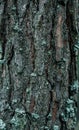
x: 38, y: 64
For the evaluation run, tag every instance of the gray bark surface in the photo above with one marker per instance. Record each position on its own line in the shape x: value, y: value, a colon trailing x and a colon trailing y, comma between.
x: 38, y: 64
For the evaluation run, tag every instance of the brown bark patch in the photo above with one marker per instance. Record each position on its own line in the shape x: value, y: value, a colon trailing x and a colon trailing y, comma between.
x: 32, y: 54
x: 54, y: 111
x: 32, y: 104
x: 55, y: 106
x: 58, y: 34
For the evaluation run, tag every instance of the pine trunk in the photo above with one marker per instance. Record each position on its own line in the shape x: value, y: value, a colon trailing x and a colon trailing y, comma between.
x: 39, y: 45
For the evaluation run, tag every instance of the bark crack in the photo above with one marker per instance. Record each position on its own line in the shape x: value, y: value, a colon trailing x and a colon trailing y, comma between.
x: 3, y: 28
x: 9, y: 59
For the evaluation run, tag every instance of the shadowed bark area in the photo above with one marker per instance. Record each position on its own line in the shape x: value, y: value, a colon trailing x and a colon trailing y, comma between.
x: 38, y: 64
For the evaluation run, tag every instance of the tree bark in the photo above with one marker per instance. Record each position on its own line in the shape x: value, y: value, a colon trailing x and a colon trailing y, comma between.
x: 38, y: 64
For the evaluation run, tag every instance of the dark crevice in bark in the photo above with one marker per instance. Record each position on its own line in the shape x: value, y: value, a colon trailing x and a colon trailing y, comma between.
x: 10, y: 87
x: 3, y: 28
x: 36, y: 3
x: 11, y: 54
x: 16, y: 5
x: 61, y: 2
x: 54, y: 12
x: 71, y: 31
x: 3, y: 34
x: 63, y: 125
x: 33, y: 51
x: 72, y: 65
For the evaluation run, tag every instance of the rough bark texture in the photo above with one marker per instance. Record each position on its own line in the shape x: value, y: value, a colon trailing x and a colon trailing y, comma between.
x: 38, y: 64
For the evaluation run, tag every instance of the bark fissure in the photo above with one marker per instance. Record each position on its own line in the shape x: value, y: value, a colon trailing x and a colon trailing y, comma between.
x: 3, y: 28
x: 32, y: 51
x: 72, y: 34
x: 9, y: 59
